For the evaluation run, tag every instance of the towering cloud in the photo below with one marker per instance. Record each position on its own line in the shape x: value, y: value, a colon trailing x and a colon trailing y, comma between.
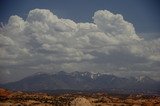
x: 45, y: 42
x: 114, y: 24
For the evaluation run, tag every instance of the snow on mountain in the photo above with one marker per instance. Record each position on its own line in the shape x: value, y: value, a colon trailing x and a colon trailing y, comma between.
x: 83, y: 81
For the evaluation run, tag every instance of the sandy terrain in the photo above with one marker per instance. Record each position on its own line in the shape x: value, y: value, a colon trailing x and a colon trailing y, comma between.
x: 8, y: 98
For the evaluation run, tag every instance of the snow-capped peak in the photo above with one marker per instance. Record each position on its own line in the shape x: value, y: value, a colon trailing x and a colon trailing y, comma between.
x: 143, y: 79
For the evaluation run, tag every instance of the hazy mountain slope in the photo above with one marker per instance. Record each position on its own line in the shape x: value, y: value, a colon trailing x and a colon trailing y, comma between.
x: 84, y: 81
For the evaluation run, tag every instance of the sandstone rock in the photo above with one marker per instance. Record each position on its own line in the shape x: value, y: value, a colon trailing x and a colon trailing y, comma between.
x: 80, y: 102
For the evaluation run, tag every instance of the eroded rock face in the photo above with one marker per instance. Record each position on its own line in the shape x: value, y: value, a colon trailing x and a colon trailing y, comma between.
x: 4, y: 93
x: 81, y: 102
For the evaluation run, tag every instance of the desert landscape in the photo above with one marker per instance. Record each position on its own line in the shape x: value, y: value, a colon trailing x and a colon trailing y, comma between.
x: 18, y: 98
x: 79, y: 53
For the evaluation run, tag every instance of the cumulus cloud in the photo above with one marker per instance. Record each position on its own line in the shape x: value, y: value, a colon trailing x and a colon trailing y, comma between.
x: 114, y: 25
x: 43, y: 39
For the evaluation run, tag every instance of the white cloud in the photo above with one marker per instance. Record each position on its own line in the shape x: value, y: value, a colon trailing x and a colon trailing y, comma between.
x: 41, y: 15
x: 113, y: 24
x: 5, y: 41
x: 44, y: 38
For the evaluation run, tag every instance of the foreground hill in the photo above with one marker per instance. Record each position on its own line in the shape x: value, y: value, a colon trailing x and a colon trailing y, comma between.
x: 75, y: 99
x: 85, y: 81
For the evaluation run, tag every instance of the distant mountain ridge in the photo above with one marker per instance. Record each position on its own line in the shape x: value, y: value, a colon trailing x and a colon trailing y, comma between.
x: 84, y: 81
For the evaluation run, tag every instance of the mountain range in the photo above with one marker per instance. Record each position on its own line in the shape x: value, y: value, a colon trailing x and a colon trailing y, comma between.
x: 84, y: 81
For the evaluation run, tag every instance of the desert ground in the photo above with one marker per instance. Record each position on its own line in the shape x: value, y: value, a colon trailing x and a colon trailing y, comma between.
x: 18, y: 98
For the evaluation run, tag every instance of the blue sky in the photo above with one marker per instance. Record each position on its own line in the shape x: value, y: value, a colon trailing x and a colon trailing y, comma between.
x: 143, y: 14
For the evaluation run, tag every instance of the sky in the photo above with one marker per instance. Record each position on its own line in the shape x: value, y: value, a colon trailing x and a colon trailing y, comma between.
x: 109, y: 36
